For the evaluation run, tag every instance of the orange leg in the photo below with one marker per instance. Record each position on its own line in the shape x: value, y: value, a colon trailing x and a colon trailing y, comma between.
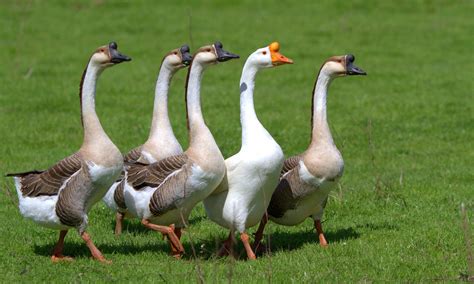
x: 96, y: 254
x: 319, y: 230
x: 245, y: 239
x: 226, y: 248
x: 118, y: 223
x: 168, y: 231
x: 58, y: 249
x: 174, y: 252
x: 259, y: 233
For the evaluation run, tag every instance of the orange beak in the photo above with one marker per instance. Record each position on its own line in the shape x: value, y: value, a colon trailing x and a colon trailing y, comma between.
x: 277, y: 57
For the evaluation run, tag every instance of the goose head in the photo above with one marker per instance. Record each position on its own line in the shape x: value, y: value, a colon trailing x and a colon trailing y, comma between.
x: 178, y: 58
x: 212, y: 54
x: 338, y: 66
x: 269, y: 56
x: 108, y: 55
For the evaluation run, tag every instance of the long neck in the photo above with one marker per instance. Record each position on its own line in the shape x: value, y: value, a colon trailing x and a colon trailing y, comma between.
x: 160, y: 123
x: 196, y: 125
x: 320, y: 128
x: 93, y: 130
x: 248, y: 117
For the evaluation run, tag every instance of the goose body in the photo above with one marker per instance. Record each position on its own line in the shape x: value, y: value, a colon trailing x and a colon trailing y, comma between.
x: 252, y: 174
x: 162, y: 194
x: 60, y: 197
x: 307, y: 179
x: 161, y: 142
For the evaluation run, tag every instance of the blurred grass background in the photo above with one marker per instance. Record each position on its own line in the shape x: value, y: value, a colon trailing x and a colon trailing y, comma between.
x: 405, y: 131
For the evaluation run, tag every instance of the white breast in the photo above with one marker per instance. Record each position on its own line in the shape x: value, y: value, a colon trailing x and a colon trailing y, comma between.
x: 102, y: 178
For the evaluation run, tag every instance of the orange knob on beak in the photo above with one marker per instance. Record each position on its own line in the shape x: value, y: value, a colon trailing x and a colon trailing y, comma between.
x: 277, y: 57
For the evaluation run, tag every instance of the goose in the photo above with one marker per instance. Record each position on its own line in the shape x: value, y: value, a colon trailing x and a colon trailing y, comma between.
x: 162, y: 194
x: 252, y: 174
x: 161, y: 141
x: 60, y: 198
x: 306, y: 179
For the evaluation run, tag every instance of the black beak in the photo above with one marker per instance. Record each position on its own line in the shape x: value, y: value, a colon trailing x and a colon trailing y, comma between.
x: 351, y: 69
x: 223, y: 55
x: 186, y: 56
x: 115, y: 56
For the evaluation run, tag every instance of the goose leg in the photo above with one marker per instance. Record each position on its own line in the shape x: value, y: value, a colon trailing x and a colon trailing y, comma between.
x: 58, y: 249
x: 96, y: 254
x: 174, y: 252
x: 227, y: 245
x: 259, y: 233
x: 167, y: 231
x: 245, y: 239
x: 118, y: 223
x: 319, y: 230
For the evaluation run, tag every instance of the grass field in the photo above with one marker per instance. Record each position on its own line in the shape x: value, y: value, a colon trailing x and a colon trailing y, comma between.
x: 405, y: 131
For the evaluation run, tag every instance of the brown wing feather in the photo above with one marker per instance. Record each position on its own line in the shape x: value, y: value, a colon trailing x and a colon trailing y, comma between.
x: 133, y: 155
x: 38, y: 183
x: 290, y: 164
x: 72, y: 202
x: 169, y: 193
x: 287, y: 194
x: 141, y: 175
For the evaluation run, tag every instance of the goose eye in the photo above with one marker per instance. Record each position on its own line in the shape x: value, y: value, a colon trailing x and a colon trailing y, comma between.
x: 175, y: 53
x: 102, y: 50
x: 264, y: 53
x: 208, y: 50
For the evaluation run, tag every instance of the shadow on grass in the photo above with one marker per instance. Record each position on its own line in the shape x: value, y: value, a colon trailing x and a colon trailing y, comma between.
x: 80, y: 249
x: 206, y: 249
x: 294, y: 240
x: 133, y: 225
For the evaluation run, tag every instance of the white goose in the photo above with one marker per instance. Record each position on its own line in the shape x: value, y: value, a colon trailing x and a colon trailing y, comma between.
x: 161, y: 141
x: 162, y: 194
x: 307, y: 179
x: 60, y: 197
x: 252, y: 174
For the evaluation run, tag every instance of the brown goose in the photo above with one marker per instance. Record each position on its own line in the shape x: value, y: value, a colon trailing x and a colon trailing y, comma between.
x: 163, y: 194
x: 60, y: 197
x: 161, y: 142
x: 306, y: 179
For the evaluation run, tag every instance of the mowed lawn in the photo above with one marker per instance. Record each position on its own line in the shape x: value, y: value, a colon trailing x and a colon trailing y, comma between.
x: 406, y: 132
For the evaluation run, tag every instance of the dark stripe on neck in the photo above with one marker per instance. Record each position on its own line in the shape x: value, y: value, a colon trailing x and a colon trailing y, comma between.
x: 186, y: 93
x: 80, y: 90
x: 312, y: 100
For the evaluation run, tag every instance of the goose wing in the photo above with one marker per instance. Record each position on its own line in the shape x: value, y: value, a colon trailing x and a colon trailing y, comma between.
x: 287, y: 193
x: 48, y: 182
x: 133, y: 155
x: 290, y: 164
x: 140, y: 175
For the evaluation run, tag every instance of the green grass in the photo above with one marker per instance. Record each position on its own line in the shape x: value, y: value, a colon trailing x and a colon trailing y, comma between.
x: 405, y: 131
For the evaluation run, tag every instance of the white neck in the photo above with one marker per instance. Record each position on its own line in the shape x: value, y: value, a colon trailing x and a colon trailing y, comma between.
x: 248, y: 117
x: 160, y: 124
x: 320, y: 131
x: 93, y: 130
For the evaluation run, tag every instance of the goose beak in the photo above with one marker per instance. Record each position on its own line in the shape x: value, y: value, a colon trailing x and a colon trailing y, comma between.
x: 186, y: 56
x: 280, y: 59
x: 223, y: 55
x: 351, y: 69
x: 277, y: 57
x: 115, y: 56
